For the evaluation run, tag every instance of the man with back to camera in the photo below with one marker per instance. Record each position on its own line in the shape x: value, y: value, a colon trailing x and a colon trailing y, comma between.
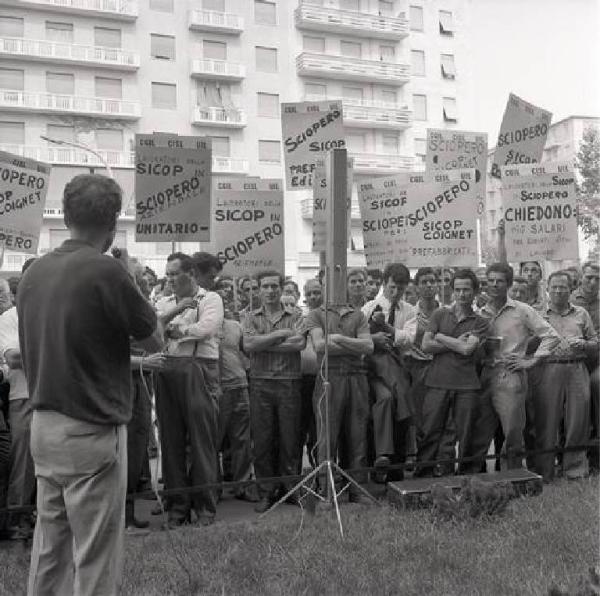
x: 77, y: 311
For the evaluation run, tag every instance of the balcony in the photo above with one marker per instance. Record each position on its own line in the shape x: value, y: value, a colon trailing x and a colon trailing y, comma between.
x: 351, y: 69
x: 204, y: 68
x: 316, y: 17
x: 306, y: 209
x: 124, y: 10
x: 370, y: 113
x: 23, y: 101
x: 71, y: 156
x: 219, y: 116
x: 381, y: 163
x: 230, y: 165
x: 68, y: 53
x: 216, y: 22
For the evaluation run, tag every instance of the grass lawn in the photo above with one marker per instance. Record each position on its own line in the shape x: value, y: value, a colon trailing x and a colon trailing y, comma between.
x: 551, y: 539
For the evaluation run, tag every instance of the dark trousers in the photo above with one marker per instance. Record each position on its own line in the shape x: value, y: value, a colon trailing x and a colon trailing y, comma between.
x: 594, y: 452
x: 234, y: 425
x: 440, y: 405
x: 187, y: 409
x: 308, y: 428
x: 4, y: 467
x: 275, y: 422
x: 348, y: 419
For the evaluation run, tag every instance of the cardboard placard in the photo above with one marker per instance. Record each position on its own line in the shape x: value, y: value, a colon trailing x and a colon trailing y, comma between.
x: 23, y: 188
x: 320, y: 194
x: 522, y: 134
x: 309, y: 129
x: 420, y: 219
x: 455, y: 150
x: 540, y: 212
x: 248, y: 226
x: 172, y: 188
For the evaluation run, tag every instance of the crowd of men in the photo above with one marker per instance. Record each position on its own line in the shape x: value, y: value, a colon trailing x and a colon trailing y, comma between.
x: 437, y: 366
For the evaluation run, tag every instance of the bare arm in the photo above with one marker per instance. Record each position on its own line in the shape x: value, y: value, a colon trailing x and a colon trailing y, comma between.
x: 264, y: 343
x: 13, y: 358
x: 464, y: 345
x: 361, y: 345
x: 318, y: 339
x: 432, y: 346
x: 295, y: 343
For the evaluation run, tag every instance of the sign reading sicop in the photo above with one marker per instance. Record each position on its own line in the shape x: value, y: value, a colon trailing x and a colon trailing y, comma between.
x: 453, y: 150
x: 420, y: 219
x: 522, y: 135
x: 309, y: 129
x: 23, y: 188
x: 248, y: 225
x: 540, y: 212
x: 172, y: 188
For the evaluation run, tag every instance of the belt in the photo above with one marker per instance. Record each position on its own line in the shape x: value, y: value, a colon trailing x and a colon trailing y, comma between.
x: 564, y: 360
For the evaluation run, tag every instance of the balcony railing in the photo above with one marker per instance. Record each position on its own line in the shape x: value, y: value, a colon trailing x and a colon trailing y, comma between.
x: 317, y: 17
x: 70, y: 104
x: 218, y: 116
x: 55, y: 51
x: 370, y: 113
x: 217, y: 22
x: 218, y: 69
x: 229, y: 165
x: 126, y: 10
x: 71, y: 155
x: 351, y: 69
x: 381, y: 163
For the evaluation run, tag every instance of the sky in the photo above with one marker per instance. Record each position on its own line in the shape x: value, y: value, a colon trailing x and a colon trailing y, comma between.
x: 545, y: 51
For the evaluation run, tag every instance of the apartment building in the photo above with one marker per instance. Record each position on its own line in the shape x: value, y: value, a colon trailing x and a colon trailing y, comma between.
x: 95, y: 72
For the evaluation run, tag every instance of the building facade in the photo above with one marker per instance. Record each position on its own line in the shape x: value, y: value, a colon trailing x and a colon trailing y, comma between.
x: 96, y: 72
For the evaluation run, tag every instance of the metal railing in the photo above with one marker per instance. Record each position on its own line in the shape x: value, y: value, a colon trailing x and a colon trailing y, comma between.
x: 122, y: 8
x: 219, y: 116
x: 210, y: 20
x: 218, y: 68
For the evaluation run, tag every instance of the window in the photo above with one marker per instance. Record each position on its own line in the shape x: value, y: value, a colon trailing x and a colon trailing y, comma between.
x: 162, y: 46
x: 417, y: 58
x: 416, y: 18
x: 220, y: 146
x: 390, y: 144
x: 315, y: 89
x: 14, y: 262
x: 420, y: 107
x: 110, y: 139
x: 353, y: 94
x: 387, y: 53
x: 12, y: 132
x: 351, y: 49
x: 265, y: 13
x: 269, y: 151
x: 448, y: 70
x: 11, y: 27
x: 164, y: 96
x: 350, y: 5
x: 61, y: 132
x: 266, y: 59
x: 386, y: 8
x: 111, y: 88
x: 268, y: 105
x: 11, y: 78
x: 355, y: 142
x: 214, y: 50
x: 421, y: 148
x: 59, y: 31
x: 313, y: 44
x: 216, y: 5
x: 389, y: 96
x: 446, y: 25
x: 58, y: 82
x: 449, y: 104
x: 107, y: 38
x: 162, y: 5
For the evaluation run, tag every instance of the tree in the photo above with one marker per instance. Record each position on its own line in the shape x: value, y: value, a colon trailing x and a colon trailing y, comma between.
x: 587, y: 163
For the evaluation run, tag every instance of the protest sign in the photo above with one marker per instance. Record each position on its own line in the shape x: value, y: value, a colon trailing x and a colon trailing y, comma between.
x: 309, y: 129
x: 248, y: 229
x: 23, y: 188
x: 522, y: 135
x: 540, y: 212
x: 453, y: 150
x: 172, y: 188
x: 320, y: 194
x: 420, y: 219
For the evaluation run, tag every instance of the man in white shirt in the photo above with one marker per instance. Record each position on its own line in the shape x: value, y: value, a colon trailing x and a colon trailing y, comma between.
x: 393, y: 324
x: 188, y: 393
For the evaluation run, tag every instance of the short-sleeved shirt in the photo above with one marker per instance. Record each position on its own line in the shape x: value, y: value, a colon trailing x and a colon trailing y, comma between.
x: 591, y: 304
x: 272, y: 365
x: 233, y: 370
x: 574, y: 322
x: 345, y: 321
x: 450, y: 370
x: 77, y: 311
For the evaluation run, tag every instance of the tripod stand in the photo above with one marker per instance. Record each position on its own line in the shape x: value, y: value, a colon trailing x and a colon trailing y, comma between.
x: 328, y: 466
